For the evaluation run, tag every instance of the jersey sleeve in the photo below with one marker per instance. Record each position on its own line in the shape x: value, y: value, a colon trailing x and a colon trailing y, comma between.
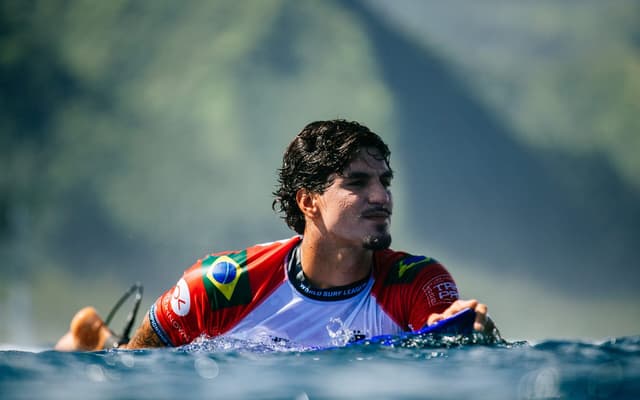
x: 433, y: 291
x: 410, y: 288
x: 177, y: 315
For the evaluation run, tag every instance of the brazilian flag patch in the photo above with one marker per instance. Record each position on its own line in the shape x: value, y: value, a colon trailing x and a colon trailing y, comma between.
x: 226, y: 280
x: 405, y: 270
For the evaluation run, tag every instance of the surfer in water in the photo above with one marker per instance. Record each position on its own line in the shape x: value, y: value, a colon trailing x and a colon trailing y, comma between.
x: 336, y: 281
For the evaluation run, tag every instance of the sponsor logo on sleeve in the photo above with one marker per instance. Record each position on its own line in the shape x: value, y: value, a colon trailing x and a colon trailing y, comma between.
x: 440, y: 290
x: 175, y: 324
x: 181, y: 299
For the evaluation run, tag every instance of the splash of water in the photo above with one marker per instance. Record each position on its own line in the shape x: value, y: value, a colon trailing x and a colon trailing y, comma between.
x: 339, y: 333
x: 255, y: 344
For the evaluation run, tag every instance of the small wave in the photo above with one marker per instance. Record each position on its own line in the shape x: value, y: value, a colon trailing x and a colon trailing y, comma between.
x: 15, y: 347
x: 421, y: 366
x: 602, y: 350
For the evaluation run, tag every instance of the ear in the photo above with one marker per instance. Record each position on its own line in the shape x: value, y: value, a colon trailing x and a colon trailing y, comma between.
x: 307, y: 203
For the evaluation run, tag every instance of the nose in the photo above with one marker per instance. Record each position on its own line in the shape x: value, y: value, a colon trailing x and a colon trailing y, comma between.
x: 380, y: 194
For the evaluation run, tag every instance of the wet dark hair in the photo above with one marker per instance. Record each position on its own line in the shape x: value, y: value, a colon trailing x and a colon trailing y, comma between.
x: 321, y: 149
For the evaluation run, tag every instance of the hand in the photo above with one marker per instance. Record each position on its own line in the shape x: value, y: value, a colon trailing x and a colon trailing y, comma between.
x: 482, y: 323
x: 87, y: 332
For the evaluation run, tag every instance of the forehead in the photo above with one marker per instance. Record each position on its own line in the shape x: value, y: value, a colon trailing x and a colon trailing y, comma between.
x: 367, y: 159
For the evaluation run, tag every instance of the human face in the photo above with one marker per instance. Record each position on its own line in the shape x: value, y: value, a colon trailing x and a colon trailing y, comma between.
x: 356, y: 208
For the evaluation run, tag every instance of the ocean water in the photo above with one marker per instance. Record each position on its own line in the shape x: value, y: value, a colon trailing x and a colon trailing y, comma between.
x: 421, y: 368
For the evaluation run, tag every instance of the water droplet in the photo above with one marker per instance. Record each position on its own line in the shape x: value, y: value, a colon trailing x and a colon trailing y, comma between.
x: 110, y: 358
x: 96, y: 373
x: 302, y: 396
x: 206, y: 367
x: 540, y: 384
x: 127, y: 359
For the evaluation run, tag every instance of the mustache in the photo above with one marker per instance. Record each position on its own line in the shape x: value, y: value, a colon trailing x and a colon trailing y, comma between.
x: 378, y: 211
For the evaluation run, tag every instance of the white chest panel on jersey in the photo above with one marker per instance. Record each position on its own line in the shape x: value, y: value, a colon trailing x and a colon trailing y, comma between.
x: 289, y: 315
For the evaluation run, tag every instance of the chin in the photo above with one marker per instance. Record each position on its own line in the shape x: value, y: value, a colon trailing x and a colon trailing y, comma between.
x: 377, y: 242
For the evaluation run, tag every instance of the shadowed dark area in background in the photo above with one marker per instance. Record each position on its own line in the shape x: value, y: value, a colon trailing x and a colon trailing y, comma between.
x: 478, y: 192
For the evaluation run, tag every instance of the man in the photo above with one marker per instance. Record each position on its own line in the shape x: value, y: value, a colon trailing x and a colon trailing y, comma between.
x: 337, y: 281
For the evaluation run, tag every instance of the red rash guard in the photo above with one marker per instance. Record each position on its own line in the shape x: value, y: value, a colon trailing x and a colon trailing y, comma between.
x: 261, y: 292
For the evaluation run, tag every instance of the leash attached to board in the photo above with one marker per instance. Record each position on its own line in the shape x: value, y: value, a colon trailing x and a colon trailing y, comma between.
x: 118, y: 340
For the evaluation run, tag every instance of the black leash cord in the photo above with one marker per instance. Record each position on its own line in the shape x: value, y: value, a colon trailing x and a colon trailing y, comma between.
x: 137, y: 289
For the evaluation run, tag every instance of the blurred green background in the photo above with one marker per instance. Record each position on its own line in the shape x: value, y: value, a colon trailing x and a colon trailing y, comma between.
x: 137, y: 136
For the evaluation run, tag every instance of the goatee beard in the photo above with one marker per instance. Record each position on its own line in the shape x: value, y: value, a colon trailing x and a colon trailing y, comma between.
x: 377, y: 242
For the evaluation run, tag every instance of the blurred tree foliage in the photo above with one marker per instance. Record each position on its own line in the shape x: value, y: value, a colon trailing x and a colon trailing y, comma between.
x: 159, y: 125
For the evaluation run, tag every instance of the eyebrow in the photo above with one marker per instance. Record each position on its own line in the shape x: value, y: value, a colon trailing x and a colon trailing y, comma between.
x: 365, y: 175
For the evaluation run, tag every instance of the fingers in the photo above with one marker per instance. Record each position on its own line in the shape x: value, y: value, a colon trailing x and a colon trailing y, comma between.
x: 454, y: 308
x: 460, y: 305
x: 481, y: 323
x: 481, y: 317
x: 433, y: 318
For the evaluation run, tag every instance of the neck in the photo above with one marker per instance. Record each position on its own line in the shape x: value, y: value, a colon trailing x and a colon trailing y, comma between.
x: 326, y: 264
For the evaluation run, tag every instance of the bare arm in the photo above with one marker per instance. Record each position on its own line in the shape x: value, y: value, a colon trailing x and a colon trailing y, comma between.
x: 145, y: 337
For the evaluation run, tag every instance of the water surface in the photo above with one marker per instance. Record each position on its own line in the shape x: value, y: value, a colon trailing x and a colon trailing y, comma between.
x: 418, y: 369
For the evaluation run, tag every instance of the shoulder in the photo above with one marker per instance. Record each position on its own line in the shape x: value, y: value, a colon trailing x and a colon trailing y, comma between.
x: 397, y: 267
x: 233, y: 277
x: 263, y: 253
x: 420, y: 280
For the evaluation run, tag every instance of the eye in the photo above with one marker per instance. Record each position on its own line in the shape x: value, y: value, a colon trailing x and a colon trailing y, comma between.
x: 356, y: 183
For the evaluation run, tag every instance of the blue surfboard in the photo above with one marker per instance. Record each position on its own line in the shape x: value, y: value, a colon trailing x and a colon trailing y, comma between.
x: 458, y: 324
